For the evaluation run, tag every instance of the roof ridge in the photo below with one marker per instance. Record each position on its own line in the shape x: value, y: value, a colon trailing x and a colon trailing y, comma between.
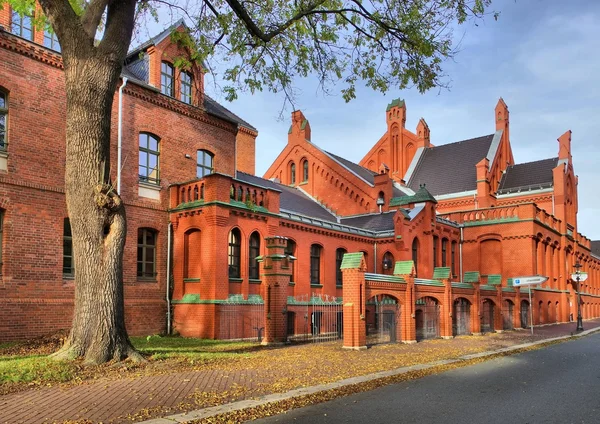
x: 160, y: 36
x: 347, y: 160
x: 461, y: 141
x: 533, y: 161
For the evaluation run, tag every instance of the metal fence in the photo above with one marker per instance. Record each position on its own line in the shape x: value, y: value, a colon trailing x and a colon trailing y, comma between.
x: 314, y: 318
x: 382, y: 320
x: 242, y: 319
x: 427, y: 318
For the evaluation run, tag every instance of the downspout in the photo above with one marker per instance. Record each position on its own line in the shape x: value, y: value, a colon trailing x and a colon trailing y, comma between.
x: 235, y: 153
x: 169, y: 229
x: 120, y: 134
x: 553, y: 203
x: 375, y: 258
x: 460, y: 254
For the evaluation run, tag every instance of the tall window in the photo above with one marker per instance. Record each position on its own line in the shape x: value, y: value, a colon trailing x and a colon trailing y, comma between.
x: 68, y: 263
x: 234, y: 253
x: 435, y: 251
x: 51, y: 40
x: 415, y: 254
x: 148, y: 165
x: 253, y: 251
x: 1, y: 233
x: 305, y: 171
x: 339, y: 257
x: 388, y: 263
x: 3, y: 119
x: 21, y: 25
x: 146, y: 254
x: 290, y: 250
x: 204, y: 163
x: 167, y: 78
x: 315, y: 264
x: 293, y: 173
x: 185, y: 94
x: 453, y: 258
x: 444, y: 252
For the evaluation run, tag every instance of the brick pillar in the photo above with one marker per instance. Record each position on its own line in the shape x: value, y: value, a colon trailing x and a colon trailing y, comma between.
x: 499, y: 317
x: 406, y: 270
x: 276, y: 278
x: 476, y: 313
x: 446, y: 324
x: 354, y: 295
x: 517, y: 311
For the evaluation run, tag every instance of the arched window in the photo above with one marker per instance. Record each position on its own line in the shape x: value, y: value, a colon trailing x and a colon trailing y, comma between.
x: 315, y: 264
x: 388, y: 263
x: 3, y: 119
x: 149, y: 155
x: 167, y: 78
x: 146, y: 254
x: 1, y: 234
x: 20, y: 24
x: 234, y: 253
x: 435, y: 251
x: 444, y: 252
x: 305, y: 171
x: 290, y: 250
x: 415, y: 254
x: 293, y: 173
x: 204, y: 163
x: 453, y: 258
x: 192, y: 254
x: 339, y: 257
x: 68, y: 263
x: 253, y: 253
x: 185, y: 91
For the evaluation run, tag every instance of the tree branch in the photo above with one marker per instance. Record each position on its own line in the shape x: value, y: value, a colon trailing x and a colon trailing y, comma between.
x: 93, y: 15
x: 119, y: 29
x: 64, y: 21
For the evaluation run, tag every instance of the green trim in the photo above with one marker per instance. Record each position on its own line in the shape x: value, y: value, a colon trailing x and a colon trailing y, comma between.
x: 190, y: 298
x: 317, y: 286
x: 291, y: 283
x: 339, y: 286
x: 422, y: 195
x: 189, y: 205
x: 462, y: 286
x: 236, y: 280
x: 471, y: 277
x: 191, y: 280
x: 248, y: 206
x: 493, y: 221
x: 303, y: 126
x: 441, y: 273
x: 494, y: 279
x: 424, y: 282
x: 276, y: 274
x: 398, y: 237
x: 290, y: 130
x: 352, y: 260
x: 315, y: 300
x: 404, y: 267
x: 508, y: 289
x: 488, y: 287
x: 384, y: 278
x: 254, y: 281
x: 395, y: 102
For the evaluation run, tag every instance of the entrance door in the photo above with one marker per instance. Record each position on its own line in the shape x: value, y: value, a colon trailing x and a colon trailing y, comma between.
x: 461, y: 317
x: 487, y: 316
x: 388, y: 319
x: 524, y: 314
x: 291, y: 321
x: 428, y: 325
x: 507, y: 315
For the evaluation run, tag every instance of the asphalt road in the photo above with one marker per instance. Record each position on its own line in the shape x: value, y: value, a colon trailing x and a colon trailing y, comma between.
x: 557, y: 384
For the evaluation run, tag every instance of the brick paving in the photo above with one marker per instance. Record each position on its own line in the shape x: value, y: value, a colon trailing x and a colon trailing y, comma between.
x: 115, y: 401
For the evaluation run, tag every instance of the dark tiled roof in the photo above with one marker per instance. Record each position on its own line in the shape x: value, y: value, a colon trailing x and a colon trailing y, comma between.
x: 397, y: 192
x: 596, y: 247
x: 214, y: 108
x: 373, y: 222
x: 138, y: 68
x: 528, y: 175
x: 450, y: 168
x: 422, y: 195
x: 364, y: 173
x: 291, y: 199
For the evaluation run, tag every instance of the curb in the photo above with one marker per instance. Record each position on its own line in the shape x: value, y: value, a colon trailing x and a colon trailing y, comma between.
x: 252, y: 403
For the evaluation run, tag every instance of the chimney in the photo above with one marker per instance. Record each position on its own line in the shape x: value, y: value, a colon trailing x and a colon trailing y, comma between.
x: 300, y: 128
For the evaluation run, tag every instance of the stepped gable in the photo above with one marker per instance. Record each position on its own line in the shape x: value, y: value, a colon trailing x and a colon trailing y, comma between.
x: 372, y: 222
x: 291, y: 199
x: 450, y: 168
x: 530, y: 175
x: 137, y: 68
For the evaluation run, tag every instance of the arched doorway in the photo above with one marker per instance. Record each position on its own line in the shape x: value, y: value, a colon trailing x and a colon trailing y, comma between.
x: 524, y: 314
x: 382, y: 319
x: 461, y: 317
x: 487, y: 316
x: 427, y: 317
x: 507, y: 315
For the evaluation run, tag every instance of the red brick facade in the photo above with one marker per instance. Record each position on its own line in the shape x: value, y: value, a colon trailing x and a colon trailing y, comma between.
x: 467, y: 245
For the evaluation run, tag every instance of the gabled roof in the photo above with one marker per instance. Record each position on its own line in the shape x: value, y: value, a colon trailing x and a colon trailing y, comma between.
x: 422, y: 195
x: 596, y: 248
x: 156, y: 39
x: 373, y: 222
x: 364, y: 173
x: 530, y: 175
x: 450, y: 168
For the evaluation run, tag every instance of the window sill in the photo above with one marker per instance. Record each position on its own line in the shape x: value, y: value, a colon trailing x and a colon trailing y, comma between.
x: 291, y: 283
x: 303, y: 183
x: 339, y: 286
x: 146, y: 280
x: 316, y: 285
x: 235, y: 280
x: 254, y: 281
x: 3, y: 160
x: 148, y: 190
x: 191, y: 280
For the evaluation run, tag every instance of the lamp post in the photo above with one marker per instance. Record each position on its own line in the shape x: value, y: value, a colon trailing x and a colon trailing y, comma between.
x: 577, y: 277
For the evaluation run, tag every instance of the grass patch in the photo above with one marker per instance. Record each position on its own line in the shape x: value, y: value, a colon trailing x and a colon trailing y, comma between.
x: 35, y: 369
x: 173, y: 347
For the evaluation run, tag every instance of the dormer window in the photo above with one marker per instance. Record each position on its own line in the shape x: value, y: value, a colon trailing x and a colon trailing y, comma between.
x: 186, y: 88
x: 21, y: 25
x: 167, y: 79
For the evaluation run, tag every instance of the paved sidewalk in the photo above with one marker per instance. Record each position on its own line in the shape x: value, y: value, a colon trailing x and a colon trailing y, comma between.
x: 119, y: 401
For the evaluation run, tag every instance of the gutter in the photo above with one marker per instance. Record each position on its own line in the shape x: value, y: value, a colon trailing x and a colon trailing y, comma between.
x: 168, y: 295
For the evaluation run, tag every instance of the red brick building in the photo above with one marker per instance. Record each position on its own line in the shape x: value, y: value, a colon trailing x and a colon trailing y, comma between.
x: 214, y: 251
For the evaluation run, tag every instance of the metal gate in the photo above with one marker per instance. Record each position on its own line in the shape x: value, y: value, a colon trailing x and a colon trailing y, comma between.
x: 507, y: 315
x: 524, y: 314
x: 316, y: 318
x: 487, y: 316
x: 427, y: 316
x: 242, y: 319
x: 383, y: 317
x: 461, y: 317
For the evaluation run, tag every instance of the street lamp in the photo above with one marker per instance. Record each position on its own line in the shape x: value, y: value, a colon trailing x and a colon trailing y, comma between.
x: 577, y: 276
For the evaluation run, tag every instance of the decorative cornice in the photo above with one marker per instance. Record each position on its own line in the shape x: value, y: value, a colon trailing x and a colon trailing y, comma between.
x: 37, y: 52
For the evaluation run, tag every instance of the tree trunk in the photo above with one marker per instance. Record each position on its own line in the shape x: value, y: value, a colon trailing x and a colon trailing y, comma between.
x: 97, y: 215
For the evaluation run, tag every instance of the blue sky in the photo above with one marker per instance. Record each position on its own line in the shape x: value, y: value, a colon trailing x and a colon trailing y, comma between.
x: 541, y: 56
